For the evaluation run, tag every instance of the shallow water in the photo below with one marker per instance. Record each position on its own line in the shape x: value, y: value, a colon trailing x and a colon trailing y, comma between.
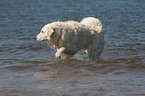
x: 28, y: 67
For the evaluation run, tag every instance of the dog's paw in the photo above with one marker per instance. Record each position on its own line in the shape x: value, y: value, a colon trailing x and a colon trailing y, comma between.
x: 61, y: 56
x: 58, y: 57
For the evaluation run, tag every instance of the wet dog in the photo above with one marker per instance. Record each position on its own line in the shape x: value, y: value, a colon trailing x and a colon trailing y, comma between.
x: 69, y: 37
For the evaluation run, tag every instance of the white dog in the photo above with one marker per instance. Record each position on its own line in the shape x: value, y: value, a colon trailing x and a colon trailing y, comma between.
x: 69, y: 37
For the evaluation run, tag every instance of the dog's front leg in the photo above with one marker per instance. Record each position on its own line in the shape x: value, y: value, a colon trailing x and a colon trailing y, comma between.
x: 61, y: 53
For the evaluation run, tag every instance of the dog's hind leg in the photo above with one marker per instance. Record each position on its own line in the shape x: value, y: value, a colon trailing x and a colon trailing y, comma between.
x: 95, y: 49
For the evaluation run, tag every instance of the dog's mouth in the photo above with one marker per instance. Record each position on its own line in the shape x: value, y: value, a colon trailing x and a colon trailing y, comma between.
x: 38, y: 39
x: 41, y: 39
x: 44, y: 40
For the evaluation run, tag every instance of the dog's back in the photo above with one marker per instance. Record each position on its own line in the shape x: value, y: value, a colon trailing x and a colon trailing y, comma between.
x: 74, y: 33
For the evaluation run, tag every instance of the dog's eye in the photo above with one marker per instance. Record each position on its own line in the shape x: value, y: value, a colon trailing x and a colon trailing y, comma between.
x: 42, y: 31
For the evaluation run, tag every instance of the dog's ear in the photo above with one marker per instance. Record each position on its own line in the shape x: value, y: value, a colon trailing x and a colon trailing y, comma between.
x: 51, y: 32
x: 54, y: 33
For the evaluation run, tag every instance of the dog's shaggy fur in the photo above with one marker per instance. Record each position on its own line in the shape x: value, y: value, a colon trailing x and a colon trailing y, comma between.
x: 69, y: 37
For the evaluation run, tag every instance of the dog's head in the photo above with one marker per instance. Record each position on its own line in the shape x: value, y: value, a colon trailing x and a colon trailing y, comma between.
x: 45, y: 33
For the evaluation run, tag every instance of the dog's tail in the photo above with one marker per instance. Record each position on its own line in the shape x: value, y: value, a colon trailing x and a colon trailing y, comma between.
x: 94, y: 23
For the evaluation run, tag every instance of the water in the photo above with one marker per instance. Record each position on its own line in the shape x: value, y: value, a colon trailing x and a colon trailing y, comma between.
x: 28, y: 67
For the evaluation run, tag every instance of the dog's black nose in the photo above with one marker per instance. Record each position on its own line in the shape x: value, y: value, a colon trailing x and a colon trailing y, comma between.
x: 35, y: 38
